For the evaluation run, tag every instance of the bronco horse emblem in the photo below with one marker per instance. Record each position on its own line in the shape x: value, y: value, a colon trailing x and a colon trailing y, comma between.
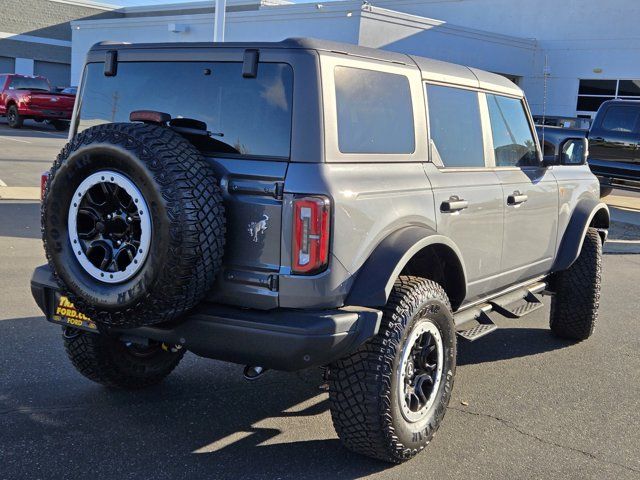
x: 256, y: 228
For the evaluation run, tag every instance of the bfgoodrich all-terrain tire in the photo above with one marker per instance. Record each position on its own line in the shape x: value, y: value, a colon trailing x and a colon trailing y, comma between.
x: 388, y: 397
x: 574, y: 308
x: 133, y: 224
x: 113, y: 363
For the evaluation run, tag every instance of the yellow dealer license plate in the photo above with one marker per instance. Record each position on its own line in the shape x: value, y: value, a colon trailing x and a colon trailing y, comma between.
x: 66, y: 314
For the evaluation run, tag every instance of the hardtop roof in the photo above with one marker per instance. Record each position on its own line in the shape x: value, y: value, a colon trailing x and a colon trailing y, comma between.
x: 432, y: 70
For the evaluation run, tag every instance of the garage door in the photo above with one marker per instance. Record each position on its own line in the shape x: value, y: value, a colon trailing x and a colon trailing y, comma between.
x: 59, y: 74
x: 7, y: 65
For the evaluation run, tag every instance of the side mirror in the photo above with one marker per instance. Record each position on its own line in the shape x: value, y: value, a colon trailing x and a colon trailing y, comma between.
x: 573, y: 151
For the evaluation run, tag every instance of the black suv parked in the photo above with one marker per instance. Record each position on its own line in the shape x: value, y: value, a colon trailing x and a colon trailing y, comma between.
x: 614, y: 144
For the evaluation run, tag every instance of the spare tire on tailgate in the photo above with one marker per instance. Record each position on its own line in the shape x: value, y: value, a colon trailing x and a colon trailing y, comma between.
x: 133, y: 224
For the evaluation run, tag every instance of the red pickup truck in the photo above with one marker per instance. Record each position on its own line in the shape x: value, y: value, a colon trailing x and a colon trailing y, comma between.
x: 23, y: 97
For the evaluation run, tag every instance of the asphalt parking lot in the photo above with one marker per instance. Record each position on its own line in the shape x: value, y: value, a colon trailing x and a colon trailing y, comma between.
x: 525, y: 405
x: 27, y: 152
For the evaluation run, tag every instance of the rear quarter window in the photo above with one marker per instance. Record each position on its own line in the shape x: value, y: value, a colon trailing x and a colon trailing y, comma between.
x: 247, y: 116
x: 374, y: 111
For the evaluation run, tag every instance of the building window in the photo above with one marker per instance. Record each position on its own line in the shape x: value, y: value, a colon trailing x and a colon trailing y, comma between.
x: 593, y: 93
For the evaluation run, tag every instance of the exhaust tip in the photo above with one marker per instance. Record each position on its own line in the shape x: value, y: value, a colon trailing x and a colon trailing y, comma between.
x: 252, y: 373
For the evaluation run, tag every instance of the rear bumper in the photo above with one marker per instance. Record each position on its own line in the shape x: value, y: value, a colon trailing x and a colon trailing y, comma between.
x: 281, y: 339
x: 45, y: 114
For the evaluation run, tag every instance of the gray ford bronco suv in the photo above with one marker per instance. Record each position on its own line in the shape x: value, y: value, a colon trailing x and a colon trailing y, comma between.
x: 308, y: 203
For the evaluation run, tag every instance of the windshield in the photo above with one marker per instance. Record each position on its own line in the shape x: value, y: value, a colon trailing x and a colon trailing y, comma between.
x: 246, y: 116
x: 29, y: 83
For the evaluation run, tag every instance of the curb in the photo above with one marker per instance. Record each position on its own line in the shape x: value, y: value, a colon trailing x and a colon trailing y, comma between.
x: 20, y: 193
x: 625, y: 203
x: 622, y: 246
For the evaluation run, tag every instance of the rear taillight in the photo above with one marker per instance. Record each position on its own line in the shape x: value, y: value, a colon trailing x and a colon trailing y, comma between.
x: 311, y: 225
x: 43, y: 184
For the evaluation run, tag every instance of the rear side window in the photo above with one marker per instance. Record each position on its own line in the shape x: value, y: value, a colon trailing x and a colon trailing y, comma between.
x: 374, y: 110
x: 621, y: 119
x: 247, y: 116
x: 513, y: 141
x: 456, y: 130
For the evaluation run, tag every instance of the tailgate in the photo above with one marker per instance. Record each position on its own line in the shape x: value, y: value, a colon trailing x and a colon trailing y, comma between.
x: 252, y: 192
x: 52, y: 101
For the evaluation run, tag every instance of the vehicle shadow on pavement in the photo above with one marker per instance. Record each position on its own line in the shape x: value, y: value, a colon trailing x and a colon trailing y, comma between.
x: 508, y: 343
x: 20, y: 219
x: 31, y: 129
x: 204, y: 421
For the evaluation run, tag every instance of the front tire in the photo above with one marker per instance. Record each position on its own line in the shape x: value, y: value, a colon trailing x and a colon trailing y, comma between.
x: 574, y: 308
x: 13, y: 117
x: 389, y: 397
x: 110, y: 362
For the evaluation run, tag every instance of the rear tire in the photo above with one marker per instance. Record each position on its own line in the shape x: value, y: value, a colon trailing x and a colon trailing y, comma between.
x: 60, y: 125
x: 381, y: 403
x: 574, y: 308
x: 13, y: 117
x: 113, y: 363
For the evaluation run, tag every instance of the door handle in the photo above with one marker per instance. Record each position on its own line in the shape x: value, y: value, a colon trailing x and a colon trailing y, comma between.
x: 516, y: 198
x: 454, y: 204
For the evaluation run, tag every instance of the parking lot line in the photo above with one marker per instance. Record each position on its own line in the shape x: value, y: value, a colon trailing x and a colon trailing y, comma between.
x: 2, y: 184
x: 19, y: 193
x: 14, y: 139
x: 57, y: 135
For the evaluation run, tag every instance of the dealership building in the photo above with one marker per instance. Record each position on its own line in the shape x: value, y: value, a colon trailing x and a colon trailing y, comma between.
x: 567, y: 56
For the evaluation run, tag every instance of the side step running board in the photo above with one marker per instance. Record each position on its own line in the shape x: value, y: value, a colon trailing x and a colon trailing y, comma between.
x: 517, y: 307
x: 484, y: 324
x: 514, y: 304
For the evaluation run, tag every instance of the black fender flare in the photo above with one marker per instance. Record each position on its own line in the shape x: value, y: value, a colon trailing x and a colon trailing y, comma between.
x: 375, y: 279
x: 586, y: 211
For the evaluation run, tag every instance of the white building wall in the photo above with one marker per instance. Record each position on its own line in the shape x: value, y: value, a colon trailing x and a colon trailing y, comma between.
x: 265, y: 25
x: 340, y: 21
x: 579, y: 38
x: 390, y: 30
